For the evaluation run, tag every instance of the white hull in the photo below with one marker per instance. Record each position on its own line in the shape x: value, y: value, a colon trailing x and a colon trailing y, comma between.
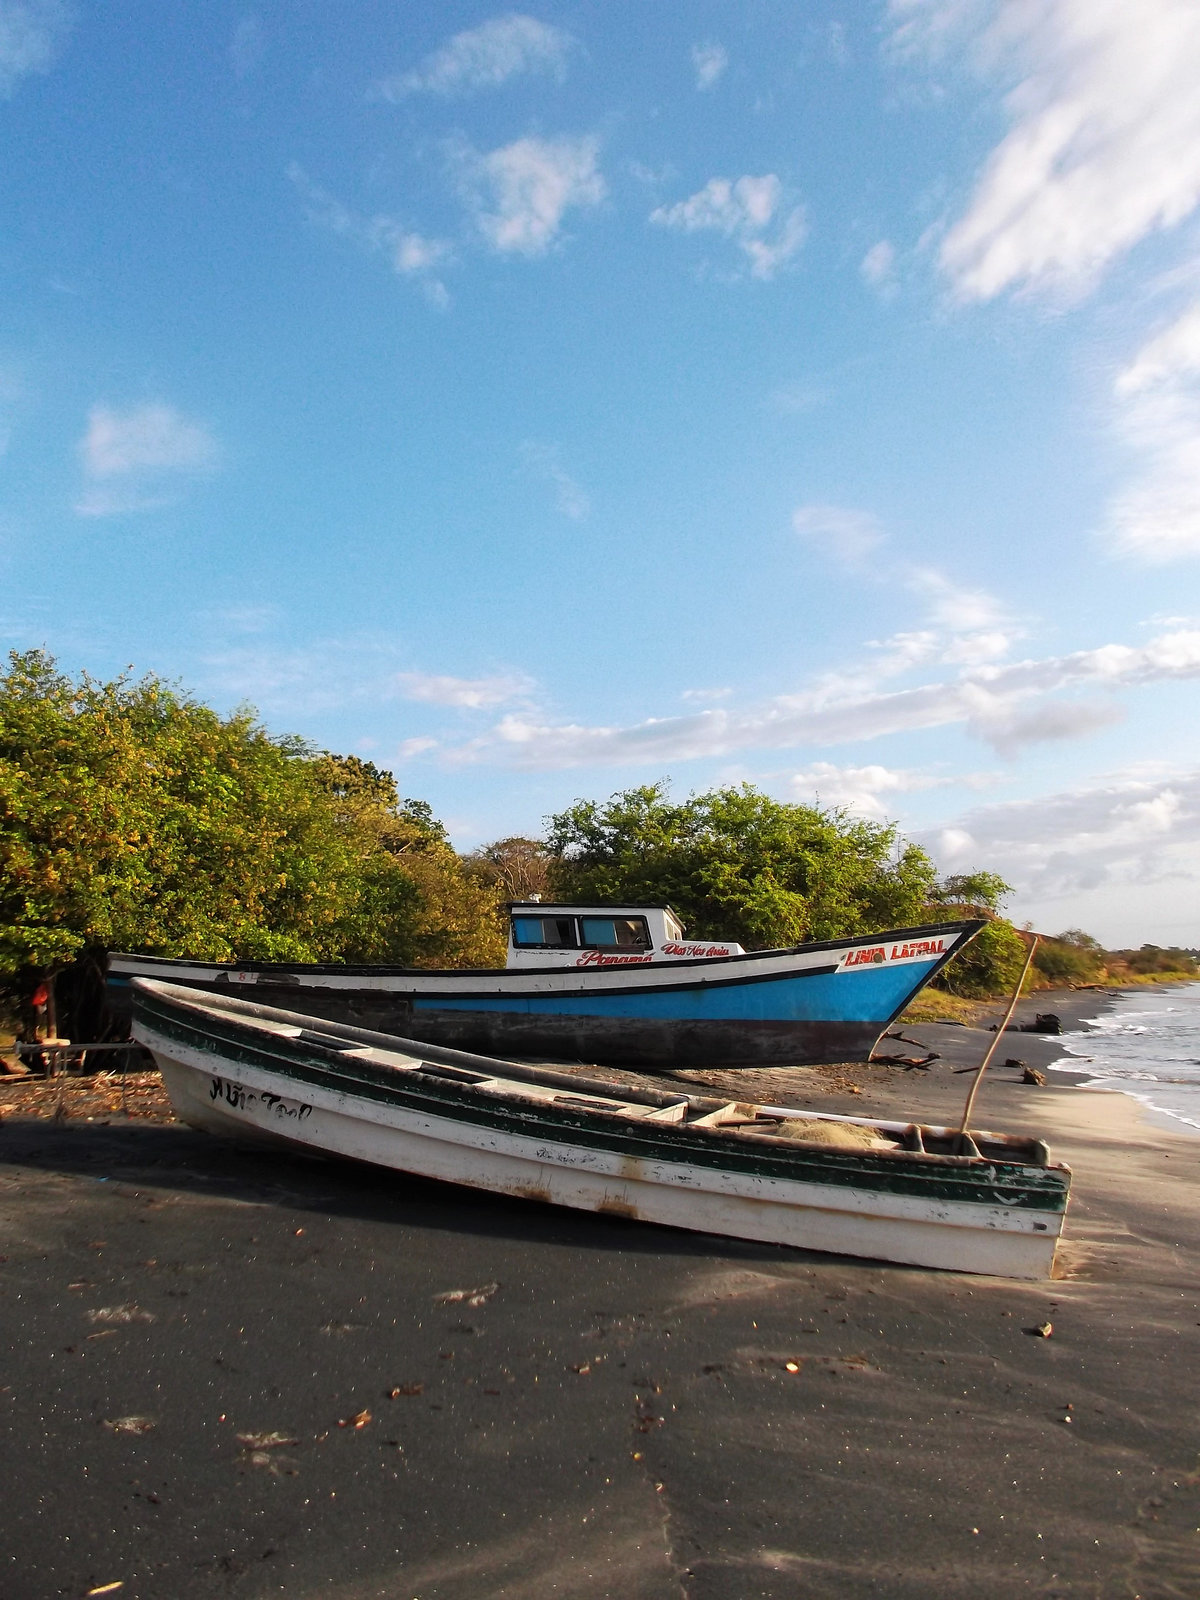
x: 965, y: 1237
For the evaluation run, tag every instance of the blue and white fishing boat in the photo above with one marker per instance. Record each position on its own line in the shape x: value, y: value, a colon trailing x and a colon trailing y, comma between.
x: 619, y: 985
x: 891, y: 1191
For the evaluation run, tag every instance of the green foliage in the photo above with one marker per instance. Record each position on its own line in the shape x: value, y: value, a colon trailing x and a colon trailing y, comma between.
x: 986, y: 889
x: 990, y: 965
x: 1151, y: 960
x: 1073, y: 958
x: 132, y: 817
x: 736, y: 864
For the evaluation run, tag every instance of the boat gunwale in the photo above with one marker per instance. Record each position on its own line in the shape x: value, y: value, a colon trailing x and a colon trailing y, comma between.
x: 969, y: 926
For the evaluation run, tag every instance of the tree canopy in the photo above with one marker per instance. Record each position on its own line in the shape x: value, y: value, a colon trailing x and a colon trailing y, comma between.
x: 133, y: 817
x: 736, y: 864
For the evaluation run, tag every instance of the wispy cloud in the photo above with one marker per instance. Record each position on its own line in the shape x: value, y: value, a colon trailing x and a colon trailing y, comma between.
x: 709, y: 62
x: 1157, y: 517
x: 842, y: 533
x: 468, y: 694
x: 1104, y: 140
x: 1004, y: 705
x: 878, y: 267
x: 1132, y: 831
x: 134, y: 460
x: 485, y: 57
x: 954, y: 605
x: 410, y: 254
x: 331, y: 673
x: 32, y: 33
x: 520, y: 193
x: 753, y: 212
x: 544, y: 462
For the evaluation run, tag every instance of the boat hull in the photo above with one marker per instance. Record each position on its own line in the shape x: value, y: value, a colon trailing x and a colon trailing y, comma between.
x: 970, y: 1216
x: 818, y: 1002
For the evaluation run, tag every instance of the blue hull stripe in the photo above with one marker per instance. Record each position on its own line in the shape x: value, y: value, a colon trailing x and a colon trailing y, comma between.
x: 868, y: 996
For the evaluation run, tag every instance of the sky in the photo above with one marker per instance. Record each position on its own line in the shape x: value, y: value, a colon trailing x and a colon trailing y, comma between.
x: 543, y: 402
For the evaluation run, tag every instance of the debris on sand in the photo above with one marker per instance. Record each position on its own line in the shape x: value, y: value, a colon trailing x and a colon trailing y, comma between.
x: 469, y: 1297
x: 257, y: 1451
x: 95, y: 1097
x: 120, y: 1314
x: 130, y: 1424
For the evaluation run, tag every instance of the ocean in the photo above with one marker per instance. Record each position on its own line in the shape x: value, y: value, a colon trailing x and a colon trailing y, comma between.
x: 1146, y: 1045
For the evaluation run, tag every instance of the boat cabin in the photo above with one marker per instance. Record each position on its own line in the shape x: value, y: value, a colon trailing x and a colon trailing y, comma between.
x: 541, y: 935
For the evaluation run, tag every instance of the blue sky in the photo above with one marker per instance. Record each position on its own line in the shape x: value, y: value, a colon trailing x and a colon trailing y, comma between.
x: 541, y: 402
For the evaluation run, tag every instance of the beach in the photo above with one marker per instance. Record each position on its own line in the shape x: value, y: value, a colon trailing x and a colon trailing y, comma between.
x: 230, y: 1373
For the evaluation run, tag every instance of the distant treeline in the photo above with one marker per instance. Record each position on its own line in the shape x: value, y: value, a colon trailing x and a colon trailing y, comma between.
x: 134, y: 817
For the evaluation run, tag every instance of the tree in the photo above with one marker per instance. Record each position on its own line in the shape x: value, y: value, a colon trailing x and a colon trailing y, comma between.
x: 518, y: 867
x: 736, y: 864
x: 133, y: 817
x: 1074, y: 957
x: 974, y: 889
x: 989, y: 965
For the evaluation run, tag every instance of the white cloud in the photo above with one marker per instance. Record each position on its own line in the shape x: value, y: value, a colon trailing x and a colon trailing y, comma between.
x: 469, y: 694
x: 1009, y: 727
x: 878, y: 266
x: 705, y: 696
x: 750, y: 211
x: 410, y: 254
x: 1131, y: 832
x: 709, y: 61
x: 861, y: 789
x: 1157, y: 517
x: 543, y: 461
x: 520, y: 193
x: 954, y: 606
x: 31, y: 34
x: 994, y: 703
x: 840, y: 532
x: 132, y: 459
x: 1104, y: 140
x: 487, y: 56
x: 1170, y: 355
x: 149, y: 438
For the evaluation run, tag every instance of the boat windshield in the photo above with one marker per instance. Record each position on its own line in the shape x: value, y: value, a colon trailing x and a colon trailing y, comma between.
x: 540, y: 933
x: 615, y: 933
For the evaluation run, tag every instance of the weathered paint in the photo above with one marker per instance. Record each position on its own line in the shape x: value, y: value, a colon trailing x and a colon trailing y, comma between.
x: 818, y: 1002
x: 980, y: 1214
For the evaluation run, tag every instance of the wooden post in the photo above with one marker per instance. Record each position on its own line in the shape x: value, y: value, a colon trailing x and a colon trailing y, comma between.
x: 1012, y: 1006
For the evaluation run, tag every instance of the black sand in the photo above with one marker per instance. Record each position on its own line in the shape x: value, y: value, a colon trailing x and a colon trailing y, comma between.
x: 617, y: 1417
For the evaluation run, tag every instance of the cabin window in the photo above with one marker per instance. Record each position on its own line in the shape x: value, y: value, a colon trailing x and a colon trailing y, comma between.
x: 615, y: 933
x: 544, y: 933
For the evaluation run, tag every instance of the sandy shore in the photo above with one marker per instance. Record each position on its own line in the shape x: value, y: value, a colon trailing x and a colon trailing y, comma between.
x: 235, y: 1374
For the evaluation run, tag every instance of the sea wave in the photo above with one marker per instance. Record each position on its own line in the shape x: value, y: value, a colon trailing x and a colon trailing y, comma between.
x: 1148, y: 1038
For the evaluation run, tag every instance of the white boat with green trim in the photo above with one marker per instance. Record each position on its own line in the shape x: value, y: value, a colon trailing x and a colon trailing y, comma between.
x: 902, y: 1192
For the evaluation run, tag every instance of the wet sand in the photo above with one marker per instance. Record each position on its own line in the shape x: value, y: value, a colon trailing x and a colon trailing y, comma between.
x: 615, y: 1415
